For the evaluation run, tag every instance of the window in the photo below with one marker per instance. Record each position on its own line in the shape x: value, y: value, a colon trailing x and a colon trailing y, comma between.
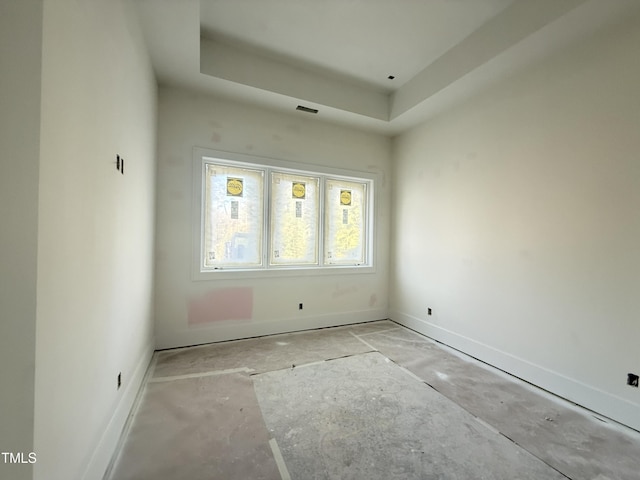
x: 345, y: 218
x: 280, y: 216
x: 233, y: 216
x: 294, y: 214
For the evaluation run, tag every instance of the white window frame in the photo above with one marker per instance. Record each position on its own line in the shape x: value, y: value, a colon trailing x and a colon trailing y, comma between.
x: 202, y: 156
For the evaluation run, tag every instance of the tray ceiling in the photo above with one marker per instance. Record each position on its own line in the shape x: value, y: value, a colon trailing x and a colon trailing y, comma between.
x: 336, y: 56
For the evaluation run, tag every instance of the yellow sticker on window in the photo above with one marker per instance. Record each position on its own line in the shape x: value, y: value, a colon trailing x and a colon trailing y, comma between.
x: 345, y: 197
x: 298, y: 190
x: 234, y: 186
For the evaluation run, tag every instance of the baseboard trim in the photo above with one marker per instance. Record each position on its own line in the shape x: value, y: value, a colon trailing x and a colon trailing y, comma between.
x: 246, y: 329
x: 106, y: 447
x: 611, y: 406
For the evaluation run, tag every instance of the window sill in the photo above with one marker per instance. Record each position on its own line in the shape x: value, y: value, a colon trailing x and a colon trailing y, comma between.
x: 231, y: 273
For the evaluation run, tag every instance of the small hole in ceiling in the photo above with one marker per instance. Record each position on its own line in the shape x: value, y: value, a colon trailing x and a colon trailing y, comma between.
x: 391, y: 77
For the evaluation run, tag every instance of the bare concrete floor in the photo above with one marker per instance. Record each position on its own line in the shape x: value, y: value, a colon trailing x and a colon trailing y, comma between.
x: 369, y: 401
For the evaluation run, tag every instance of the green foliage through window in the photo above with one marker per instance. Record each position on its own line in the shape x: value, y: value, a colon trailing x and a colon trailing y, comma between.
x: 263, y: 217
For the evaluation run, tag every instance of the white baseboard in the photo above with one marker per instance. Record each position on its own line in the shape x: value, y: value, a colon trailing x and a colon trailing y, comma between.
x: 599, y: 401
x: 218, y: 332
x: 106, y: 447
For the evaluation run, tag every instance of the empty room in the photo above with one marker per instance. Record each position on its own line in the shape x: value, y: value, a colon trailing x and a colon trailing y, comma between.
x: 320, y: 239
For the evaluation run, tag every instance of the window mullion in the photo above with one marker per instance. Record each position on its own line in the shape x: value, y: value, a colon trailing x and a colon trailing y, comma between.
x: 321, y: 245
x: 266, y: 228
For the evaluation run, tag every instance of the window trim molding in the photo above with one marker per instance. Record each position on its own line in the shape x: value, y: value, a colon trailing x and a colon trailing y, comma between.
x: 202, y: 155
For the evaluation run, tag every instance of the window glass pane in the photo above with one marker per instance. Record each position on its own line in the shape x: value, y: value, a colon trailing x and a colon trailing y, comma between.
x: 294, y: 219
x: 345, y: 222
x: 233, y: 217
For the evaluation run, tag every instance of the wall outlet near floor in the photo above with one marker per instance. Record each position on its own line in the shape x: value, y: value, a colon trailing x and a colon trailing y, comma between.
x: 632, y: 380
x: 300, y: 306
x: 428, y: 310
x: 119, y: 380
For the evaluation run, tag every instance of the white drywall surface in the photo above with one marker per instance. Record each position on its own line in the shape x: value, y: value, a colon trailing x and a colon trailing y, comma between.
x: 20, y: 52
x: 516, y: 221
x: 95, y: 233
x: 188, y: 120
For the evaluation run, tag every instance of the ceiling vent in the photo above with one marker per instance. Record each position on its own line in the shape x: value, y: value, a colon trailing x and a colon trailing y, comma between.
x: 306, y: 109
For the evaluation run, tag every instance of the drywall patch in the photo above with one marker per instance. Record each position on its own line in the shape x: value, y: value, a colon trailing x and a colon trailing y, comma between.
x: 174, y: 160
x: 175, y: 195
x: 222, y: 304
x: 373, y: 300
x: 524, y: 254
x: 342, y: 291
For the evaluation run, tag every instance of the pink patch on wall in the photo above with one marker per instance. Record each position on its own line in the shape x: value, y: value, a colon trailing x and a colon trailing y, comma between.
x: 222, y: 304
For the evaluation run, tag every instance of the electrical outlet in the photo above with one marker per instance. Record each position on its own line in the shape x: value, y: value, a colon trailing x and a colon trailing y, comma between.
x: 119, y: 380
x: 120, y: 164
x: 428, y: 310
x: 299, y: 306
x: 632, y: 380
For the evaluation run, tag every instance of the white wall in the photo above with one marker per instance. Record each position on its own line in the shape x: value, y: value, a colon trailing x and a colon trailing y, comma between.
x: 95, y: 237
x: 20, y: 52
x: 516, y: 220
x: 187, y: 120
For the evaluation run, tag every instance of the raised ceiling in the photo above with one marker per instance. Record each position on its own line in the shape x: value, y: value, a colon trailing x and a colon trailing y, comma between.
x: 364, y: 41
x: 336, y: 55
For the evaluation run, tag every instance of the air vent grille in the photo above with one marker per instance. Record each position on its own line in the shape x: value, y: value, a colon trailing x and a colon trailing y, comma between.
x: 306, y: 109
